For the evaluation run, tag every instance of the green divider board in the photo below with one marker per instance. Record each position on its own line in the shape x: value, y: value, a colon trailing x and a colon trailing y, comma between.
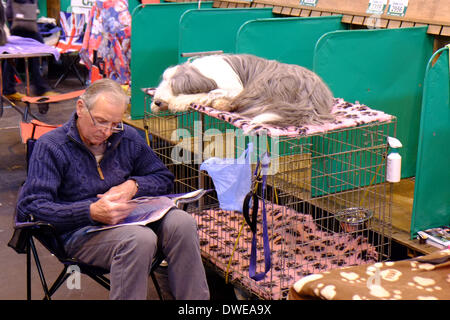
x: 42, y: 6
x: 383, y: 69
x: 154, y: 47
x: 431, y: 206
x: 132, y: 4
x: 342, y: 161
x: 288, y: 40
x: 215, y: 29
x: 63, y: 5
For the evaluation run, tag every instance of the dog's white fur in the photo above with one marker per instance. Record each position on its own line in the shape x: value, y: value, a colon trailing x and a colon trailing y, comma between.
x: 213, y: 67
x: 265, y: 90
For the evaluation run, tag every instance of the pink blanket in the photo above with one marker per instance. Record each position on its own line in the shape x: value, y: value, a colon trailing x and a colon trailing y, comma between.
x: 298, y: 246
x: 346, y: 115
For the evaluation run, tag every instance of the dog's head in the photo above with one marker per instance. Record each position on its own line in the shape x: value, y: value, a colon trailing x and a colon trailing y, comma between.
x: 183, y: 79
x: 163, y: 93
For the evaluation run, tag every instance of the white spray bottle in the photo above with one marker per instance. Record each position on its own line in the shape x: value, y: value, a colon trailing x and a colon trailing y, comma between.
x: 394, y: 161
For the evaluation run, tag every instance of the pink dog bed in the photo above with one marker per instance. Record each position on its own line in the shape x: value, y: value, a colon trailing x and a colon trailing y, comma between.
x: 346, y: 115
x: 299, y: 247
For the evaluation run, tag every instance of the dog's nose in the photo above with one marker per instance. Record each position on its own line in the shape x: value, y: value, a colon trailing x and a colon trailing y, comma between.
x: 159, y: 105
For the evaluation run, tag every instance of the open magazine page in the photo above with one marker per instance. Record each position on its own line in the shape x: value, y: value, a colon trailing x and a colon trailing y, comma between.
x: 176, y: 198
x: 150, y: 209
x: 146, y: 212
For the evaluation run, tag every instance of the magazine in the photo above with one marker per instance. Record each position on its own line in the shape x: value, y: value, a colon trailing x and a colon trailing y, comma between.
x: 439, y: 237
x: 151, y: 209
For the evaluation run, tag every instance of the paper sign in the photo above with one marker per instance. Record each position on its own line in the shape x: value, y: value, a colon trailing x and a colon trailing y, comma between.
x: 81, y: 6
x: 376, y: 6
x: 310, y: 3
x: 397, y: 7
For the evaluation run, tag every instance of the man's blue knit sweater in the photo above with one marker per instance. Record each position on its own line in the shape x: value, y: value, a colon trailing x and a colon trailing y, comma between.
x: 64, y: 178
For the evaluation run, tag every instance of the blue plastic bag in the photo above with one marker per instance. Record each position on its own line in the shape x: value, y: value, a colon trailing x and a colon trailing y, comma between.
x: 232, y: 178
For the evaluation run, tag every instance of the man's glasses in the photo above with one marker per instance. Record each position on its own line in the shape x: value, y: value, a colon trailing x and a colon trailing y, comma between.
x: 114, y: 127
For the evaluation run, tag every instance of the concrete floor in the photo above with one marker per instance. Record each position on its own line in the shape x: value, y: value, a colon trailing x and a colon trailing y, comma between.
x: 12, y: 174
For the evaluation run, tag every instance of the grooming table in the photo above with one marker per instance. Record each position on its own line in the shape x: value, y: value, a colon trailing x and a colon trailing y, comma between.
x: 422, y: 278
x: 346, y: 115
x: 23, y: 48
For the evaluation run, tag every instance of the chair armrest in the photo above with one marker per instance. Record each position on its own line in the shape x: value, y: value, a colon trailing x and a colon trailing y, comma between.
x: 34, y: 225
x: 43, y: 231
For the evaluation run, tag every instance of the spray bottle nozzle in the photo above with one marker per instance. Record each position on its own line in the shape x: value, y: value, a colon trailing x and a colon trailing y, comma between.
x: 394, y: 143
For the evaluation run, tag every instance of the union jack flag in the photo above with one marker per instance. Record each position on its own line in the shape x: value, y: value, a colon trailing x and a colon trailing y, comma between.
x: 71, y: 38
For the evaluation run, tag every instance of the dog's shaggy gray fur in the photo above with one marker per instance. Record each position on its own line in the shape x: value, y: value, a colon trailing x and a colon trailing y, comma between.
x: 293, y: 95
x: 294, y: 92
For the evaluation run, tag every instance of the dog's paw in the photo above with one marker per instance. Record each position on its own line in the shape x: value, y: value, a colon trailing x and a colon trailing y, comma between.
x: 265, y: 118
x: 204, y: 101
x: 222, y: 104
x: 217, y: 93
x: 182, y: 102
x: 179, y: 107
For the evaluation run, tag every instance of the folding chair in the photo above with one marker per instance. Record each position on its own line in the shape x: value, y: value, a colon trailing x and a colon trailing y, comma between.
x: 22, y: 242
x: 25, y: 233
x: 70, y: 43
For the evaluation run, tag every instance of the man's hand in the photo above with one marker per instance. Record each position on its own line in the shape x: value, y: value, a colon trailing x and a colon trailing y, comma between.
x: 111, y: 209
x: 127, y: 190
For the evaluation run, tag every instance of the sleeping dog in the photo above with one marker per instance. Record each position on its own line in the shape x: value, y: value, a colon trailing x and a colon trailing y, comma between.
x: 265, y: 91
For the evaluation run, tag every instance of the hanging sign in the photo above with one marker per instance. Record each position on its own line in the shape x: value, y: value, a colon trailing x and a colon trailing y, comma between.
x: 81, y: 6
x: 376, y: 6
x: 310, y: 3
x: 397, y: 7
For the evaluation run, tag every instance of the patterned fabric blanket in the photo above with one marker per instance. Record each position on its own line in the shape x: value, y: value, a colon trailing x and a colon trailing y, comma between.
x: 18, y: 44
x: 108, y: 32
x: 422, y: 278
x: 346, y: 115
x: 298, y: 246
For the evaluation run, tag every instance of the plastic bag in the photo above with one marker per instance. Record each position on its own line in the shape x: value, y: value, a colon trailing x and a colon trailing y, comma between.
x: 232, y: 179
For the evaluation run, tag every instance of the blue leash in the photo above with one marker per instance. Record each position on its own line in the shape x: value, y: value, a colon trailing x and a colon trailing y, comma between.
x: 252, y: 197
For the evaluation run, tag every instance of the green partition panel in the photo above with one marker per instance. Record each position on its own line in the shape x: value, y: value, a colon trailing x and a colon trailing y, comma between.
x: 132, y: 4
x: 288, y: 40
x: 383, y: 69
x: 154, y: 46
x: 215, y: 29
x: 64, y: 5
x: 431, y: 206
x: 42, y: 6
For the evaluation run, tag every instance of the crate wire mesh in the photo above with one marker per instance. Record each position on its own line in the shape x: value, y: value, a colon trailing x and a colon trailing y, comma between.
x: 314, y: 180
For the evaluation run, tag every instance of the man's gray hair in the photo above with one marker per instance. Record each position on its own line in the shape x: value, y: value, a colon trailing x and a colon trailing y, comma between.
x: 109, y: 89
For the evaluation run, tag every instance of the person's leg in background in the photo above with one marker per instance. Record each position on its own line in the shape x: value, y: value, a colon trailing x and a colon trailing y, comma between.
x: 9, y: 82
x: 40, y: 85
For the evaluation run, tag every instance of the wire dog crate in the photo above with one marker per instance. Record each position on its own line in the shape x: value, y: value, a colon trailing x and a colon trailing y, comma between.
x: 327, y: 202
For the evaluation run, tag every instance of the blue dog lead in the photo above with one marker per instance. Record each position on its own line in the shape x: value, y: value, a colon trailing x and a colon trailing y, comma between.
x: 252, y: 197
